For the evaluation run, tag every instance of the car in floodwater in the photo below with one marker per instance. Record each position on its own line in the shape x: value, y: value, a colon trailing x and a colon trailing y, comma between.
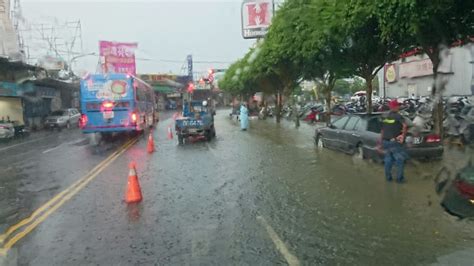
x: 459, y: 197
x: 359, y: 134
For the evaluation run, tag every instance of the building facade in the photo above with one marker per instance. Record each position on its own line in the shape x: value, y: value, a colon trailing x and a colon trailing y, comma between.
x: 412, y: 76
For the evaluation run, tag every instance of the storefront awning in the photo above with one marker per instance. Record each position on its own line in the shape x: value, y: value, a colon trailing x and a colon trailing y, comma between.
x: 164, y: 89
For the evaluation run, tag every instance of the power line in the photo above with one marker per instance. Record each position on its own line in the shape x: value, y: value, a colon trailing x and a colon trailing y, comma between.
x: 181, y: 61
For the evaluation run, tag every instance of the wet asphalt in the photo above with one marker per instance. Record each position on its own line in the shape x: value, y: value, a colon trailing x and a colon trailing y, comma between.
x: 246, y: 198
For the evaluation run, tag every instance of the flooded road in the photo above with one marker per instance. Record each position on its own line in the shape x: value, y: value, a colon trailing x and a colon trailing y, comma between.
x: 262, y: 197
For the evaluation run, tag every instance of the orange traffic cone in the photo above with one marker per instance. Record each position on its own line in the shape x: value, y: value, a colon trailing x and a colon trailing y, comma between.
x: 134, y: 192
x: 170, y: 133
x: 151, y: 144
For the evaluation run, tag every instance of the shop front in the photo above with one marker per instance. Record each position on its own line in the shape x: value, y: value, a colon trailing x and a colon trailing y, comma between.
x: 39, y: 103
x: 11, y: 102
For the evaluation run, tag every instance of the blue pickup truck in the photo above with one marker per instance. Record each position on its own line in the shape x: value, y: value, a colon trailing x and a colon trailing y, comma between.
x: 197, y: 120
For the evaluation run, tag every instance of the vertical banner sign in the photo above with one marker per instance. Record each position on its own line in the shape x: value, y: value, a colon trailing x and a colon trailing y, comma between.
x: 118, y: 57
x: 189, y: 58
x: 256, y: 18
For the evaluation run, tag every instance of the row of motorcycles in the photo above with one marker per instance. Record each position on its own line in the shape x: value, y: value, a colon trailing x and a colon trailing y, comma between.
x: 458, y: 113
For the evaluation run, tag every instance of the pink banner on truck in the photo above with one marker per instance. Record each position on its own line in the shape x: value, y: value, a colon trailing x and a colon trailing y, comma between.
x: 118, y: 57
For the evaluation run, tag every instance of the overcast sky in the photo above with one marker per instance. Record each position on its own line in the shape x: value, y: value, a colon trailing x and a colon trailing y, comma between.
x: 169, y: 30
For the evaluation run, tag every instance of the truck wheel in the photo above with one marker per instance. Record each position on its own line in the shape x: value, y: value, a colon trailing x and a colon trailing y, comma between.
x: 208, y: 135
x: 180, y: 139
x: 213, y: 132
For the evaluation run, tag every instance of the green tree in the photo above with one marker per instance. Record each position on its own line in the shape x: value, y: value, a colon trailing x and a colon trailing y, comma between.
x: 430, y: 26
x: 275, y: 63
x: 358, y: 84
x: 361, y: 38
x: 303, y: 44
x: 342, y: 87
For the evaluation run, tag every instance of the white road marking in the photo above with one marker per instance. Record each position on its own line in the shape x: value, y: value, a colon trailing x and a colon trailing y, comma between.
x: 23, y: 143
x: 76, y: 141
x: 280, y: 245
x: 52, y: 149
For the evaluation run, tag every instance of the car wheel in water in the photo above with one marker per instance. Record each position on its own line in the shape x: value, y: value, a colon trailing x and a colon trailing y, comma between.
x: 359, y: 151
x: 208, y: 135
x: 180, y: 139
x: 319, y: 142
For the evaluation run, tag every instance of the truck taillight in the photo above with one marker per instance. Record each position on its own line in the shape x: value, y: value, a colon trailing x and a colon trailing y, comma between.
x: 83, y: 120
x: 433, y: 138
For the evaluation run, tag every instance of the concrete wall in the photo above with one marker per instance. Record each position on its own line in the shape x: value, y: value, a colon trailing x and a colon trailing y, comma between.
x: 460, y: 76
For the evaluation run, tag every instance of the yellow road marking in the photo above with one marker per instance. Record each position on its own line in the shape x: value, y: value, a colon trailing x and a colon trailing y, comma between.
x: 73, y: 189
x: 56, y: 198
x: 280, y: 245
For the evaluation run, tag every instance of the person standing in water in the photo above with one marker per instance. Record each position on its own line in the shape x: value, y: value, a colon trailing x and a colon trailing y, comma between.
x: 244, y: 117
x: 394, y: 130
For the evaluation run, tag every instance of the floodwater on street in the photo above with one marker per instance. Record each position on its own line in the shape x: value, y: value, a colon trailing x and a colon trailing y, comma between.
x: 262, y: 197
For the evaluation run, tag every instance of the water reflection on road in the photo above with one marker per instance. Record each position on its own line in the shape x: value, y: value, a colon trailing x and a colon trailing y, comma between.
x: 262, y: 197
x: 335, y: 208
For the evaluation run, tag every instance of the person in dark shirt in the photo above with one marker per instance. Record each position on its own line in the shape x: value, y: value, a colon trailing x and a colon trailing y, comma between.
x: 393, y: 135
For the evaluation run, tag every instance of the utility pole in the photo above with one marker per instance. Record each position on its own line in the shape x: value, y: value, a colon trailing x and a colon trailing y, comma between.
x: 62, y: 39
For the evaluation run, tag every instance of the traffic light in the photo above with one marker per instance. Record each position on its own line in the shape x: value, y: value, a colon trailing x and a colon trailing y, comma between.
x: 190, y: 87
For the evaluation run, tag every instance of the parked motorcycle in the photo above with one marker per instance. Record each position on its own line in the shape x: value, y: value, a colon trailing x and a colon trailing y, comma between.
x: 460, y: 125
x: 315, y: 114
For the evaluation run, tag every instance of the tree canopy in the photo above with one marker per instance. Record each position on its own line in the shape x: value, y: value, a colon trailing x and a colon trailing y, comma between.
x: 328, y: 40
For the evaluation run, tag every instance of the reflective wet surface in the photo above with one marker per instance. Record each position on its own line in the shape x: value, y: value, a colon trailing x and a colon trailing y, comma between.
x: 259, y: 197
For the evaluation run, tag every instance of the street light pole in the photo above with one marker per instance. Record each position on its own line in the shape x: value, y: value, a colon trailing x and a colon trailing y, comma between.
x: 77, y: 57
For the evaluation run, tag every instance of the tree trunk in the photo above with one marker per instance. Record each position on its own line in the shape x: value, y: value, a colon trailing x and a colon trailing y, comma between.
x: 277, y: 107
x: 280, y: 103
x: 368, y: 81
x: 328, y: 105
x: 437, y: 94
x: 296, y: 113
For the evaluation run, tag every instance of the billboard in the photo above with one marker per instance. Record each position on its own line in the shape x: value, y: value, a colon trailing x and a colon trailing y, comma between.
x: 118, y: 57
x: 256, y: 18
x: 113, y: 88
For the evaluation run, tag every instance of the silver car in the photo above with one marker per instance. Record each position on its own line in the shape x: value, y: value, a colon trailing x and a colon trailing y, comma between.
x: 63, y: 118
